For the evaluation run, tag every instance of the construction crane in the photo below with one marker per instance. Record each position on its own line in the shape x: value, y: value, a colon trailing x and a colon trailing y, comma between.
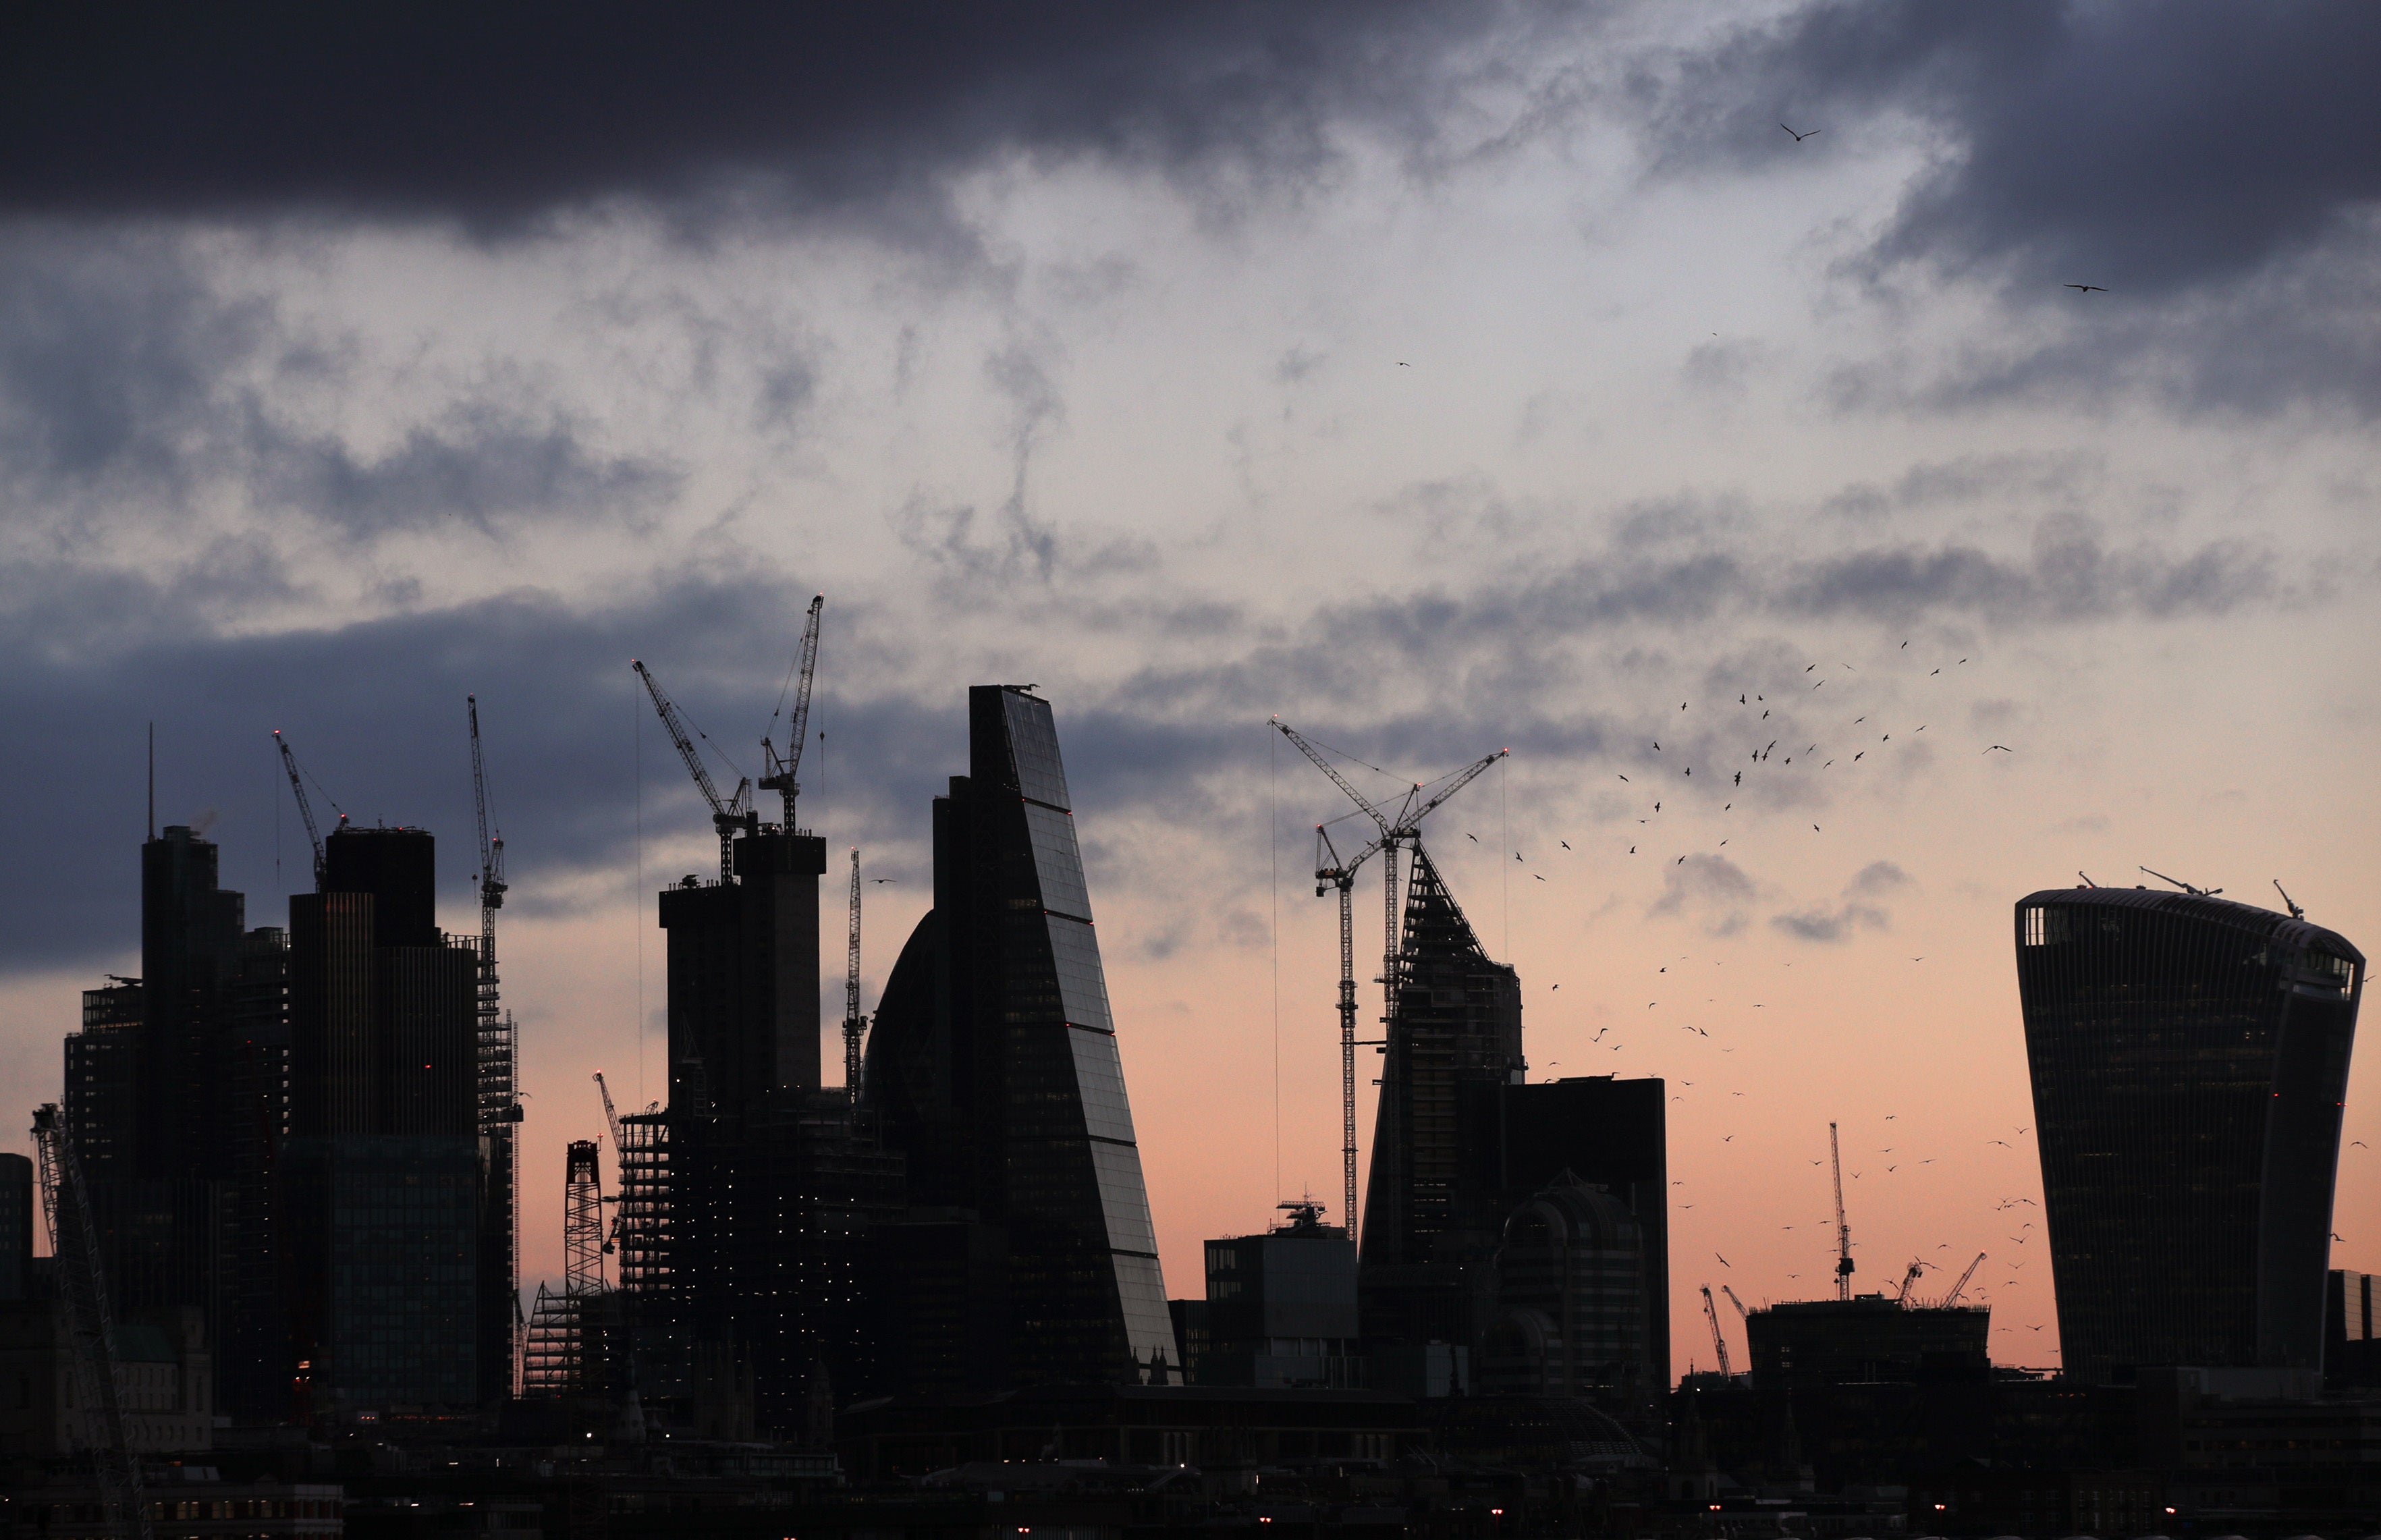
x: 87, y: 1324
x: 1961, y: 1287
x: 727, y: 817
x: 1741, y: 1313
x: 1843, y: 1231
x: 1331, y: 872
x: 499, y: 1103
x: 777, y: 772
x: 1402, y: 828
x: 1908, y: 1280
x: 851, y: 1018
x: 611, y: 1114
x: 305, y: 808
x: 1719, y: 1343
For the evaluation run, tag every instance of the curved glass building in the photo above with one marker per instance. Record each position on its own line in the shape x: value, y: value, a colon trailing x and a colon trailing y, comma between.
x: 2189, y: 1060
x: 994, y: 1067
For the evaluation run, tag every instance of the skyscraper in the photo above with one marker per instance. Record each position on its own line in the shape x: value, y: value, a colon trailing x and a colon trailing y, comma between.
x: 1434, y: 1210
x: 994, y: 1065
x: 175, y: 1089
x: 381, y: 1176
x: 753, y: 1193
x: 2189, y: 1058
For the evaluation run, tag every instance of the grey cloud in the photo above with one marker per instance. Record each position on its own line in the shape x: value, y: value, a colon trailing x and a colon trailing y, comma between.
x: 129, y: 386
x: 1967, y: 478
x: 1822, y: 927
x: 2152, y: 147
x: 2071, y: 575
x: 481, y: 465
x: 1709, y: 886
x: 2215, y: 167
x: 1877, y: 877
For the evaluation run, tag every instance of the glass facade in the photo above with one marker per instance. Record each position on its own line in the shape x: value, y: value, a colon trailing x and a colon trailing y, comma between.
x: 2189, y: 1060
x: 994, y: 1064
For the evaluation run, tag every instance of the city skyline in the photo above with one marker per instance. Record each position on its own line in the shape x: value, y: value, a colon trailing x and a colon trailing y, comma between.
x: 1463, y: 397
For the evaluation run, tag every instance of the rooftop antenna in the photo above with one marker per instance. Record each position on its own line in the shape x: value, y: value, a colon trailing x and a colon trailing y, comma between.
x: 2194, y: 892
x: 2287, y: 902
x: 2087, y: 879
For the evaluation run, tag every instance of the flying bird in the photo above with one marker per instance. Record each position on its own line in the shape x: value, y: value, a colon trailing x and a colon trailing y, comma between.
x: 2003, y: 748
x: 1564, y: 843
x: 1724, y: 1262
x: 1541, y: 879
x: 1473, y: 838
x: 2087, y: 288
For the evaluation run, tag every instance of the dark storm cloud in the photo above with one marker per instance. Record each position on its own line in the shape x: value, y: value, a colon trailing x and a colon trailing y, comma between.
x: 2149, y: 147
x: 495, y: 115
x: 2217, y: 168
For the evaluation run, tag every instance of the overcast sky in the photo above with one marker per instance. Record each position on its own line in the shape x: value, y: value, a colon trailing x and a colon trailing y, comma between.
x: 1440, y: 378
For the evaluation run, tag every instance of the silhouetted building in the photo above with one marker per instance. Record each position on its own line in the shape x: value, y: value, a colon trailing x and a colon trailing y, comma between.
x: 16, y: 1228
x: 1432, y: 1220
x: 1873, y: 1389
x: 744, y: 974
x: 381, y: 1175
x: 1281, y: 1308
x: 177, y: 1094
x: 2189, y: 1058
x: 994, y: 1066
x: 2351, y: 1347
x: 1607, y: 1133
x: 1572, y: 1317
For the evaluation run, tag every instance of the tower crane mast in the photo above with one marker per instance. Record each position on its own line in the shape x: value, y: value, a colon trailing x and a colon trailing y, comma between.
x: 87, y: 1323
x: 777, y: 771
x: 1719, y: 1342
x: 728, y: 816
x: 499, y: 1101
x: 1843, y: 1231
x: 852, y: 1022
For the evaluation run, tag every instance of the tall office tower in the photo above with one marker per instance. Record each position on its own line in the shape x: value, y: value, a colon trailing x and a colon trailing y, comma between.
x: 1608, y: 1133
x: 1431, y: 1226
x: 190, y: 944
x: 994, y: 1066
x: 381, y: 1174
x: 2189, y: 1058
x: 755, y: 1191
x: 253, y: 1356
x: 744, y: 976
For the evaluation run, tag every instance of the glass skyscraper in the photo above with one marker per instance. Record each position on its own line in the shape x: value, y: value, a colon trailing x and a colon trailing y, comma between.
x: 2189, y: 1060
x: 994, y: 1065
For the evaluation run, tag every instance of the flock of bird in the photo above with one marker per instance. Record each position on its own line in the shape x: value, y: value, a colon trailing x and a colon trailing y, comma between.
x: 1728, y: 766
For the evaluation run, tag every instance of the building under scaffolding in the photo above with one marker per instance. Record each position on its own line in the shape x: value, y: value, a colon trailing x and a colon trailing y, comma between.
x: 565, y: 1350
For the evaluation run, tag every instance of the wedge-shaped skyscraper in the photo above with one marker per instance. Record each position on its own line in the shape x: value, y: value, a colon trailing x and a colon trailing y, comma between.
x: 2189, y: 1058
x: 994, y: 1067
